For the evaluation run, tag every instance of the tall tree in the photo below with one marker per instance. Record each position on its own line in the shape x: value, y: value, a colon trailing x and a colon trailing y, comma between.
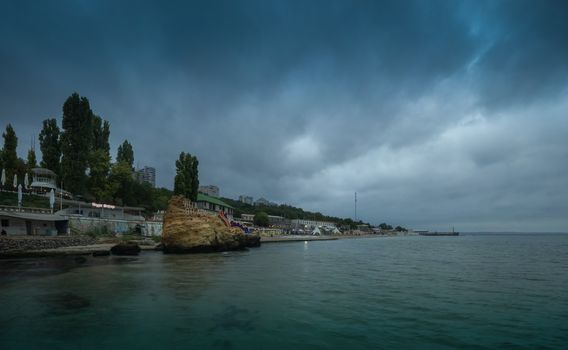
x: 32, y: 160
x: 125, y: 154
x: 76, y: 141
x: 99, y: 168
x: 9, y: 154
x: 101, y: 133
x: 50, y: 146
x: 122, y: 184
x: 99, y: 160
x: 194, y: 178
x: 186, y: 182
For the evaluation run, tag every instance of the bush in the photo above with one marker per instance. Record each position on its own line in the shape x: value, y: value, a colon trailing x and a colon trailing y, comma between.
x: 261, y: 219
x: 98, y: 231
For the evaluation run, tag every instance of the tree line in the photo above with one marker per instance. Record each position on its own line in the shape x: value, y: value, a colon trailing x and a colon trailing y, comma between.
x: 78, y: 152
x: 289, y: 212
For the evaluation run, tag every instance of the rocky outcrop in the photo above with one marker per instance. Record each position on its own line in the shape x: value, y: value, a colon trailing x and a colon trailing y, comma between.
x: 126, y: 248
x: 189, y: 231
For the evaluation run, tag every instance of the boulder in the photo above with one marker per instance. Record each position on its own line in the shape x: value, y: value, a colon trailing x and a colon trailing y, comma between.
x: 251, y: 240
x: 190, y: 231
x: 126, y: 248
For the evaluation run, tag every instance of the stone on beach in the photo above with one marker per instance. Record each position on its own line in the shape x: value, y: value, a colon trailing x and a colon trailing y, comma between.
x: 196, y: 232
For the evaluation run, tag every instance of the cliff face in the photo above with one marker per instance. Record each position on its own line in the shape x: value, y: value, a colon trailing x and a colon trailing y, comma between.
x: 193, y: 232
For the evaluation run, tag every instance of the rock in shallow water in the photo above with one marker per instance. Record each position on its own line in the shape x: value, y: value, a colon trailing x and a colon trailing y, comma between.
x: 127, y: 248
x: 193, y: 232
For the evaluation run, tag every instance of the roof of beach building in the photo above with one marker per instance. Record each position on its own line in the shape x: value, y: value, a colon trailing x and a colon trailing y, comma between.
x: 33, y: 216
x: 205, y: 198
x: 43, y: 171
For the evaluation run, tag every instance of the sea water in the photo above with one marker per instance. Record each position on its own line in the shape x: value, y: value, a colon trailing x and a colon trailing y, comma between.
x: 482, y: 291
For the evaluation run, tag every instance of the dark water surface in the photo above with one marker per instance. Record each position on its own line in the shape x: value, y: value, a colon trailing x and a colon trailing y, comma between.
x: 466, y: 292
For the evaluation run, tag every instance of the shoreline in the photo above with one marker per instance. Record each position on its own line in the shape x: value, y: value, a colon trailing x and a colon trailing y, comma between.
x: 103, y: 248
x: 298, y: 238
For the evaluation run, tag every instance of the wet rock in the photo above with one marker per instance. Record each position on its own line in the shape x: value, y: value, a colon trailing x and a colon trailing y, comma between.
x: 126, y: 248
x: 252, y: 241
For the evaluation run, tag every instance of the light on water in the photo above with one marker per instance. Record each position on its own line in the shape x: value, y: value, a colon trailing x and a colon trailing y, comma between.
x: 471, y: 291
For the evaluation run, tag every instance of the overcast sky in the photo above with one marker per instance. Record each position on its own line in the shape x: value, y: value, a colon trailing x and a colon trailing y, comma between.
x: 436, y: 113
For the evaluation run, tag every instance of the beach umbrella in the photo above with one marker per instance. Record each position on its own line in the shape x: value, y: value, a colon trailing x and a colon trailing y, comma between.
x: 15, y: 180
x: 52, y: 199
x: 3, y: 177
x: 19, y: 195
x: 26, y: 181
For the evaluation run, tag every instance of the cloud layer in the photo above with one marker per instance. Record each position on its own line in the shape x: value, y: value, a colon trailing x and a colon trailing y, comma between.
x: 437, y: 113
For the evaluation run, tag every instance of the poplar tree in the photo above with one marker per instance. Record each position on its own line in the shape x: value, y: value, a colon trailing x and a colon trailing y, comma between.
x: 50, y: 146
x: 9, y: 154
x: 99, y: 160
x: 32, y: 160
x: 76, y: 141
x: 186, y: 182
x: 125, y: 154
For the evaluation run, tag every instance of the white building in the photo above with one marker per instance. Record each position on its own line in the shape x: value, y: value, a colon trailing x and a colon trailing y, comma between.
x: 43, y: 180
x: 246, y: 199
x: 262, y: 201
x: 210, y: 190
x: 300, y: 223
x: 147, y: 174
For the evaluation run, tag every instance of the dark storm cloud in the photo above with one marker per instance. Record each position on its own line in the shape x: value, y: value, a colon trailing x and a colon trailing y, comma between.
x: 435, y: 112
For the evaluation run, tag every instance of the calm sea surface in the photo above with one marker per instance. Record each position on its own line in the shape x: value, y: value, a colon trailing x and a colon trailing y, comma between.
x: 467, y: 292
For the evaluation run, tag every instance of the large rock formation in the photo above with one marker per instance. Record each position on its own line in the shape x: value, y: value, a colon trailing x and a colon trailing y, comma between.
x: 189, y: 231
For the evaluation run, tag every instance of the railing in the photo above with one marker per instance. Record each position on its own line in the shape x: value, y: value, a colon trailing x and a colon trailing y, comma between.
x: 32, y: 210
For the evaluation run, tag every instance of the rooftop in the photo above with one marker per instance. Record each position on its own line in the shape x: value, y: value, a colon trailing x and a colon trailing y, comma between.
x: 205, y: 198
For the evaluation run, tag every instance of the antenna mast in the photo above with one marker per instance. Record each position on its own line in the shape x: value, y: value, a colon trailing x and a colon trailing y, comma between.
x: 355, y: 206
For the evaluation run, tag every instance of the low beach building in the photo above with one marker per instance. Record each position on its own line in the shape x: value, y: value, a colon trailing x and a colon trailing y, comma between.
x: 85, y: 216
x: 213, y: 205
x: 273, y: 220
x: 310, y: 223
x: 21, y: 223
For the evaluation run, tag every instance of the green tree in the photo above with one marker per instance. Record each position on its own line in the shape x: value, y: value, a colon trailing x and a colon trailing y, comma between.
x: 125, y: 154
x: 101, y: 134
x: 194, y: 178
x: 121, y: 184
x: 32, y: 161
x: 9, y: 154
x: 76, y: 141
x: 261, y: 219
x: 99, y: 167
x: 50, y: 146
x: 99, y: 161
x: 186, y: 181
